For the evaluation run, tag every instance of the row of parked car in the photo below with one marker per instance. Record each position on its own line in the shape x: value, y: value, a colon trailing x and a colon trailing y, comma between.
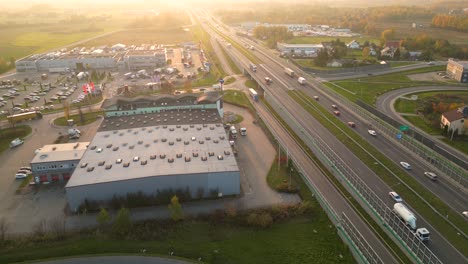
x: 23, y: 173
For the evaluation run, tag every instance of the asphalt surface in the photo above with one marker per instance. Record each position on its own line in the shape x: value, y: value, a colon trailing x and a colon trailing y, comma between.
x: 116, y: 260
x: 438, y: 244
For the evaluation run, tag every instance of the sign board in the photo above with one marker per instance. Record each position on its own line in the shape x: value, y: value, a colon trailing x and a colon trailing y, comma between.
x: 399, y: 135
x: 404, y: 128
x: 221, y: 81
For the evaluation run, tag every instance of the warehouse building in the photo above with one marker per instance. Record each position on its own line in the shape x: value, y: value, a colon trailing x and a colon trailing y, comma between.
x: 306, y: 50
x: 156, y: 144
x: 56, y: 163
x: 458, y: 70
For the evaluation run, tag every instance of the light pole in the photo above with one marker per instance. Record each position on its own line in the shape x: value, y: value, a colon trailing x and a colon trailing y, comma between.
x: 290, y: 172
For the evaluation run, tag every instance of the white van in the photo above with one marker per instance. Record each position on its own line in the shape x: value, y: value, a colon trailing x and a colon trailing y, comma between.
x: 233, y: 132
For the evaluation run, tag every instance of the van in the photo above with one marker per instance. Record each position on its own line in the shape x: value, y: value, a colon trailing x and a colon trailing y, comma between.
x: 233, y: 132
x: 431, y: 175
x: 243, y: 131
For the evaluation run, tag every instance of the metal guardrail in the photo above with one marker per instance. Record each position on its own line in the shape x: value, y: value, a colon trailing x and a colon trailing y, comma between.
x: 380, y: 211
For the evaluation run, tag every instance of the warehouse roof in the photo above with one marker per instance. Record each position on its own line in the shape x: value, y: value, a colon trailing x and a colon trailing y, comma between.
x: 155, y: 151
x: 172, y: 117
x: 60, y: 152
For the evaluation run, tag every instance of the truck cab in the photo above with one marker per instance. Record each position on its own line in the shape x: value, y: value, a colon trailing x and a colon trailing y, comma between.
x: 423, y: 234
x: 243, y: 131
x: 233, y: 132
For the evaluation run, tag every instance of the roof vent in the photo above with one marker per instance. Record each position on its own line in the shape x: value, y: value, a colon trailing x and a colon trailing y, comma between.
x: 164, y: 140
x: 222, y: 137
x: 165, y: 126
x: 143, y: 129
x: 201, y: 142
x: 131, y: 147
x: 144, y: 162
x: 108, y: 166
x: 129, y: 130
x: 109, y: 146
x: 220, y: 157
x: 152, y: 157
x: 198, y: 128
x: 106, y: 135
x: 211, y: 154
x: 150, y: 131
x: 171, y: 143
x: 218, y: 125
x: 136, y: 158
x: 195, y: 154
x: 115, y: 132
x: 179, y: 155
x: 204, y: 158
x: 178, y: 139
x: 155, y: 140
x: 162, y: 156
x: 185, y: 128
x: 192, y: 126
x: 136, y: 132
x: 171, y: 129
x: 118, y: 161
x: 125, y: 144
x: 187, y: 159
x: 194, y: 138
x: 115, y: 148
x: 205, y: 125
x: 126, y: 164
x: 84, y: 164
x: 90, y: 169
x: 93, y: 147
x: 215, y: 141
x: 101, y: 163
x: 211, y: 128
x: 121, y: 134
x: 170, y: 160
x: 207, y: 138
x: 226, y: 152
x: 140, y: 142
x: 147, y: 145
x: 178, y: 126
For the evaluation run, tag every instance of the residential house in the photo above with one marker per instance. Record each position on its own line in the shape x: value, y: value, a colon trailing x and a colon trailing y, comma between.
x: 390, y: 47
x: 353, y: 45
x: 456, y: 120
x: 335, y: 64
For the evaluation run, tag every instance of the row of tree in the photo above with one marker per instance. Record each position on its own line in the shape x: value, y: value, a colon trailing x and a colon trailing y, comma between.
x: 459, y: 23
x: 441, y: 47
x: 6, y: 65
x: 272, y: 35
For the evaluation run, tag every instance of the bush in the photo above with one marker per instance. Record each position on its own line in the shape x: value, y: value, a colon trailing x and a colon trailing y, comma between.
x: 262, y: 220
x: 286, y: 188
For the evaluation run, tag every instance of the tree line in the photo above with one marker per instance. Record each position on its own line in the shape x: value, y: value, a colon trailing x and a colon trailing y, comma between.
x: 272, y: 35
x: 455, y: 22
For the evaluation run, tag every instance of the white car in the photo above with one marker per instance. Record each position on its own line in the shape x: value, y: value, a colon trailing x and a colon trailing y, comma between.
x: 465, y: 214
x: 395, y: 197
x: 372, y: 132
x: 21, y: 176
x: 405, y: 165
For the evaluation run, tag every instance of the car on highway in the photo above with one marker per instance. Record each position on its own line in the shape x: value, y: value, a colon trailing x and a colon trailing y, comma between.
x: 395, y: 197
x: 334, y: 106
x: 20, y: 176
x: 431, y: 63
x: 431, y: 175
x: 372, y: 132
x: 405, y: 165
x: 351, y: 124
x: 268, y: 80
x: 316, y: 98
x: 465, y: 214
x: 337, y: 113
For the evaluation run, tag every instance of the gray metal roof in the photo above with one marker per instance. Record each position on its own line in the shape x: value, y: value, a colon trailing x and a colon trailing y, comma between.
x: 187, y: 145
x: 60, y: 152
x: 170, y: 117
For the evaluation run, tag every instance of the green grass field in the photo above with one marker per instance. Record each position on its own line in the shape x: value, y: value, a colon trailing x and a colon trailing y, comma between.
x: 298, y: 240
x: 238, y: 98
x: 369, y: 88
x: 8, y: 134
x: 310, y: 63
x: 140, y: 36
x: 251, y: 84
x: 88, y: 119
x: 409, y: 106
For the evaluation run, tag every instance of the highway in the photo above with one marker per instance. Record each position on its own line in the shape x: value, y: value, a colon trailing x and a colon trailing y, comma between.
x: 282, y: 82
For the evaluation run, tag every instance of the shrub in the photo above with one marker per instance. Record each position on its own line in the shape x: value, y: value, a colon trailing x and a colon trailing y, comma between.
x: 286, y: 188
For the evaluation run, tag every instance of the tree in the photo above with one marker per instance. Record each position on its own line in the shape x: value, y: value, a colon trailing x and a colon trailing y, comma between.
x: 387, y: 35
x: 322, y: 58
x: 122, y: 224
x: 66, y: 109
x: 445, y: 130
x: 397, y: 54
x: 103, y: 218
x: 365, y: 52
x: 176, y: 209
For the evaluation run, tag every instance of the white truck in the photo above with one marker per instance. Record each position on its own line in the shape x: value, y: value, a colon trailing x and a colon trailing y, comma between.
x: 289, y: 72
x: 59, y: 70
x: 81, y: 75
x: 253, y: 67
x: 74, y: 133
x: 301, y: 80
x: 233, y: 132
x: 409, y: 218
x: 16, y: 142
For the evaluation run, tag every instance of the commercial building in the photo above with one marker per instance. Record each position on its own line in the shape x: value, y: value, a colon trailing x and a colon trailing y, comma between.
x: 150, y: 59
x: 456, y: 120
x: 53, y: 163
x: 156, y: 144
x: 458, y: 70
x: 309, y: 50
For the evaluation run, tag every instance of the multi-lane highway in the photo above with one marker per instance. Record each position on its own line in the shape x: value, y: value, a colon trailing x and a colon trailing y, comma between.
x: 282, y: 83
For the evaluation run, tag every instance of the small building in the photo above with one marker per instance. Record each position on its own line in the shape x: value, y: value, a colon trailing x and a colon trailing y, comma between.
x: 144, y: 59
x: 54, y: 163
x: 300, y: 49
x: 353, y: 45
x: 458, y: 70
x: 335, y: 64
x: 456, y: 120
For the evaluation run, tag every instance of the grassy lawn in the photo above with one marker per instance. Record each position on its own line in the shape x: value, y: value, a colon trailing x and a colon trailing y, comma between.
x: 206, y: 79
x: 369, y: 88
x: 278, y: 176
x: 401, y: 63
x: 459, y: 143
x: 302, y: 239
x: 409, y: 106
x: 229, y: 80
x: 420, y: 123
x: 251, y: 84
x: 231, y: 63
x: 310, y: 63
x: 8, y: 134
x: 319, y: 40
x: 88, y: 119
x: 238, y: 98
x: 372, y: 155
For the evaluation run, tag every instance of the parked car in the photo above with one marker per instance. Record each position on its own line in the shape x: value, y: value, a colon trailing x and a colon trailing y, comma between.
x: 16, y: 142
x: 25, y: 168
x: 372, y: 132
x: 405, y: 165
x: 23, y: 172
x: 21, y: 176
x: 395, y: 197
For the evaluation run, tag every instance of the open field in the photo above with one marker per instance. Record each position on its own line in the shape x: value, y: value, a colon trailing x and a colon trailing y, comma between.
x: 369, y: 88
x: 409, y: 106
x: 302, y: 239
x: 319, y: 40
x: 8, y: 134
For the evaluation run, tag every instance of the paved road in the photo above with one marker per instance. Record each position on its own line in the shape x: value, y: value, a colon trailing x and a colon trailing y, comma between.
x: 442, y: 248
x: 116, y: 260
x: 385, y: 103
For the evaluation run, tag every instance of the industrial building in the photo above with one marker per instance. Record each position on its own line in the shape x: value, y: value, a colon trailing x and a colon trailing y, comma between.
x: 78, y: 59
x: 458, y: 70
x: 306, y: 50
x: 55, y: 163
x: 150, y: 144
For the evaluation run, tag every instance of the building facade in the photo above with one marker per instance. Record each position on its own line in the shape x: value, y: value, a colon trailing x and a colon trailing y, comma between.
x: 458, y: 70
x: 309, y: 50
x: 456, y: 120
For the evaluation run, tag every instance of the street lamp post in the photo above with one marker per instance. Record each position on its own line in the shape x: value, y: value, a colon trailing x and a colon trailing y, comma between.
x: 290, y: 172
